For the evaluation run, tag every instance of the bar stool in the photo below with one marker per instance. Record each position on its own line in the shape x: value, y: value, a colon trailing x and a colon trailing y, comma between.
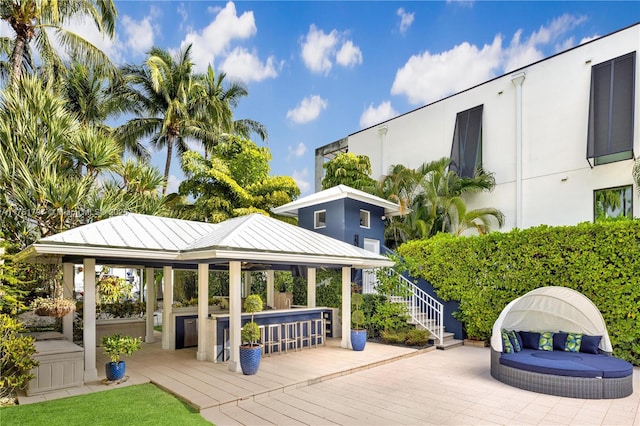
x: 304, y: 333
x: 274, y: 334
x: 318, y: 331
x: 290, y: 333
x: 226, y: 345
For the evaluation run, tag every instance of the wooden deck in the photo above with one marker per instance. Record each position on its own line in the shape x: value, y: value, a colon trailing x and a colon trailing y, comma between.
x: 204, y: 384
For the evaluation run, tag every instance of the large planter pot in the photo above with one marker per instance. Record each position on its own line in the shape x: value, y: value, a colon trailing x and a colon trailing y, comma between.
x: 115, y: 370
x: 358, y: 339
x: 250, y: 359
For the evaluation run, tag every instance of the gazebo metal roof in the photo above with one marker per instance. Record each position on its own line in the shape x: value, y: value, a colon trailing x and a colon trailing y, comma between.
x: 147, y: 240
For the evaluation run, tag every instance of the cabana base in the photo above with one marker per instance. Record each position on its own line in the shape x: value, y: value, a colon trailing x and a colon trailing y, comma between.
x: 572, y: 387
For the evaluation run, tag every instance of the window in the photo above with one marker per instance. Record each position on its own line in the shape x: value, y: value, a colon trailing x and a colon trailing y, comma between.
x: 364, y: 219
x: 320, y: 219
x: 613, y: 203
x: 466, y: 150
x: 611, y: 105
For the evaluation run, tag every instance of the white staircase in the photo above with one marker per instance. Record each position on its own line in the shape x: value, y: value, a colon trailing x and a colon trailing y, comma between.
x: 424, y: 311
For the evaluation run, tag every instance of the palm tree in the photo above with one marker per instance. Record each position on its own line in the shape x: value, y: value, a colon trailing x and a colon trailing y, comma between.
x: 168, y: 104
x: 95, y: 98
x: 218, y: 103
x: 30, y: 20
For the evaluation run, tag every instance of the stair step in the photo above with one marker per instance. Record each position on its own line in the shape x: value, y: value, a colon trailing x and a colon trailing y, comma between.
x: 450, y: 344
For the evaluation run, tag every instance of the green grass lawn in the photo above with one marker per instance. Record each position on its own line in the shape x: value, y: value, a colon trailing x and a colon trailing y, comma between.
x: 132, y: 405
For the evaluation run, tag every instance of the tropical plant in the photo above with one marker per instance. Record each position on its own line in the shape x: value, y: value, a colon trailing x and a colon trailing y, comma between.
x: 250, y: 334
x: 349, y: 169
x: 167, y: 101
x: 116, y: 345
x: 16, y: 356
x: 234, y: 181
x: 34, y: 20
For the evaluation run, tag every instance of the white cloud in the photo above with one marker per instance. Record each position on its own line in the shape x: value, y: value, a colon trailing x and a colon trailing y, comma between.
x: 308, y: 109
x: 173, y: 184
x: 426, y: 77
x: 406, y: 19
x: 349, y: 55
x: 320, y: 49
x: 216, y: 37
x: 246, y: 66
x: 588, y: 39
x: 139, y: 34
x: 565, y: 45
x: 86, y: 28
x: 374, y: 115
x: 297, y: 151
x: 301, y: 178
x: 523, y: 53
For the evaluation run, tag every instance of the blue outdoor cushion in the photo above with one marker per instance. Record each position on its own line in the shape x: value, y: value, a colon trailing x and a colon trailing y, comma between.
x: 559, y: 340
x: 568, y: 363
x: 519, y: 339
x: 530, y: 339
x: 590, y: 344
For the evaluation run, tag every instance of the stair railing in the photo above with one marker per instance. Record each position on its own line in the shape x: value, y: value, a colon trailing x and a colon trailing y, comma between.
x: 423, y: 309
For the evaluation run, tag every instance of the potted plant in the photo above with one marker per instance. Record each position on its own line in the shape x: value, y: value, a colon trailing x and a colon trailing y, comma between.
x: 251, y: 350
x: 114, y: 346
x: 358, y: 332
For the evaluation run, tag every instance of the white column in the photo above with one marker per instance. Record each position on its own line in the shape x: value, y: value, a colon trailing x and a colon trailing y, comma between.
x: 271, y: 278
x: 311, y: 287
x: 517, y: 80
x: 151, y: 303
x: 67, y: 292
x: 168, y: 335
x: 346, y: 308
x: 203, y: 310
x: 235, y: 315
x: 89, y: 314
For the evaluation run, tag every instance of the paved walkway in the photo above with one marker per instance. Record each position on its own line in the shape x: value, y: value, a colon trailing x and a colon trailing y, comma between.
x: 383, y: 385
x: 441, y: 387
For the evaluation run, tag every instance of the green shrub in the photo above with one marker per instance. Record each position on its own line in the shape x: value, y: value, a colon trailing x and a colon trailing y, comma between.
x: 392, y: 337
x: 16, y: 356
x: 417, y: 337
x: 484, y: 273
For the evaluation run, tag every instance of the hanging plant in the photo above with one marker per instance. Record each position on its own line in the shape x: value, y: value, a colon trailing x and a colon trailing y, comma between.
x: 56, y: 308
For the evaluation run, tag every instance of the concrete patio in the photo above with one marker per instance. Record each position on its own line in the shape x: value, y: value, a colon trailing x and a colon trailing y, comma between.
x: 384, y: 385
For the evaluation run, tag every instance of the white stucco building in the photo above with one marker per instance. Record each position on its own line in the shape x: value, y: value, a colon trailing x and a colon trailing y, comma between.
x: 555, y: 133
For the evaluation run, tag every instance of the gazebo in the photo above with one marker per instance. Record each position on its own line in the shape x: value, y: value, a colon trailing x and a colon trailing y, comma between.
x: 252, y: 242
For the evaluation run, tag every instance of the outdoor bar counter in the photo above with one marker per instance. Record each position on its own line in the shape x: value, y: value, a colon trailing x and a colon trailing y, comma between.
x: 217, y: 323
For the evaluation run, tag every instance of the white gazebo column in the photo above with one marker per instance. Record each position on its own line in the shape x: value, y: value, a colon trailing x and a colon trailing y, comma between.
x: 311, y: 287
x: 168, y: 338
x: 271, y: 278
x: 151, y: 303
x: 346, y: 308
x: 67, y: 293
x: 89, y: 314
x: 203, y: 309
x: 235, y: 314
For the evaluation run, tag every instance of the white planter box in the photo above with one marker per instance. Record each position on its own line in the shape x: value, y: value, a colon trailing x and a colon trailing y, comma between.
x: 61, y: 366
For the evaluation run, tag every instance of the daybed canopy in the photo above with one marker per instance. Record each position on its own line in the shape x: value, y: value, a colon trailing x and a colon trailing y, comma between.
x: 552, y: 309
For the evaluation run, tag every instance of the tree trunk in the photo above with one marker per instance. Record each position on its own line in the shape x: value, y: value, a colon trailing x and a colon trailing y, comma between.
x: 167, y: 164
x: 16, y: 58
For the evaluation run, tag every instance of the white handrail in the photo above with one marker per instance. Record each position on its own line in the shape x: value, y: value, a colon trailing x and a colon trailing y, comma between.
x: 423, y: 308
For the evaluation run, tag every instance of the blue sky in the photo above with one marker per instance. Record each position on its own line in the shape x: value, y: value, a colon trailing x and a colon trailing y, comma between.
x: 319, y: 71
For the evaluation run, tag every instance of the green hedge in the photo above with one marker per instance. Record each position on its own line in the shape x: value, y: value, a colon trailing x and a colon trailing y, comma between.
x: 484, y: 273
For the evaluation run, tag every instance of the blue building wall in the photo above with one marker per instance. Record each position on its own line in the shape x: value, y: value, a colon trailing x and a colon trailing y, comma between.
x: 343, y: 221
